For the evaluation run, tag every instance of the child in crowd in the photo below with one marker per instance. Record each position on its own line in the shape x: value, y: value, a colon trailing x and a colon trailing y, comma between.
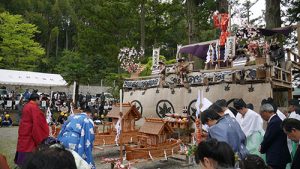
x: 7, y: 121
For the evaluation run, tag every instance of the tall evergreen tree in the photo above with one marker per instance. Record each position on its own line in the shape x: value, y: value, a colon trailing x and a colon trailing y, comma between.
x: 272, y: 16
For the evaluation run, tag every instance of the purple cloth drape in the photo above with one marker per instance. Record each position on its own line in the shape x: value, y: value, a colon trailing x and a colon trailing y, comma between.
x: 196, y: 50
x: 200, y: 51
x: 269, y: 32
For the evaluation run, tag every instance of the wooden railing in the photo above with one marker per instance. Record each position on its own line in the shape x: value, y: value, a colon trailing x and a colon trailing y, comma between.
x: 281, y: 77
x: 294, y: 58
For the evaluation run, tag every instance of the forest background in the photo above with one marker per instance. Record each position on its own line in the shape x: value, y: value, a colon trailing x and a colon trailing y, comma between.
x: 81, y: 39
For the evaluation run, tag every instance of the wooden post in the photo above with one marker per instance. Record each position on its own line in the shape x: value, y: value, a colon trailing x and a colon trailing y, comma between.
x: 288, y: 54
x: 298, y: 37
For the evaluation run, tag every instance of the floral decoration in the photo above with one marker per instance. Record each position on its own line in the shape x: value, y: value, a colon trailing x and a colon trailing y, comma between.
x: 129, y: 58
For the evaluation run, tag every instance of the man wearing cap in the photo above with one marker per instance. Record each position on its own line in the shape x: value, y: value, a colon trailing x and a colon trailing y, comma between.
x: 32, y: 131
x: 61, y: 118
x: 7, y: 121
x: 182, y: 68
x: 293, y: 108
x: 251, y: 124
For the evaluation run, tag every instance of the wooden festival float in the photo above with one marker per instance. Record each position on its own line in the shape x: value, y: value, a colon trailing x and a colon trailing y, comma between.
x: 154, y: 141
x: 248, y: 65
x: 107, y: 135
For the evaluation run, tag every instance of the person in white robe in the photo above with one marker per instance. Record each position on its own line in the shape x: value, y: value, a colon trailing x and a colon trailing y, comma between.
x: 251, y: 124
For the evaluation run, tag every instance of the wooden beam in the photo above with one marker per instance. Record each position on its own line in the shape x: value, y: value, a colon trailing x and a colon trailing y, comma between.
x: 276, y: 83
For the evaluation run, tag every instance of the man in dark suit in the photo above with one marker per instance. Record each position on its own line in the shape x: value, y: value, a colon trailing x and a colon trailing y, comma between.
x: 292, y: 129
x: 274, y: 143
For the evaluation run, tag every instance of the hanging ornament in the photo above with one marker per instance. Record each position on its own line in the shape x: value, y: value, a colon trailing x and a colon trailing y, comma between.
x: 210, y: 53
x: 129, y: 58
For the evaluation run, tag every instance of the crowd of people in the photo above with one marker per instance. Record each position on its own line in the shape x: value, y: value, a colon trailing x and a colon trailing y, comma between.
x: 72, y: 148
x: 242, y: 136
x: 234, y: 140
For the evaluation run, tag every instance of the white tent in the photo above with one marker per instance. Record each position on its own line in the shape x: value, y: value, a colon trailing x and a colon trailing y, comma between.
x: 26, y: 78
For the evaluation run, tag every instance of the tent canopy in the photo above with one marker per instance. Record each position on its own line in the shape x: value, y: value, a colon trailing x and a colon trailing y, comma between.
x: 26, y: 78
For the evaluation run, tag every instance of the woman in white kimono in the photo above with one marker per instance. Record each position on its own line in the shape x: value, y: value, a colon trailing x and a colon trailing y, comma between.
x: 251, y: 124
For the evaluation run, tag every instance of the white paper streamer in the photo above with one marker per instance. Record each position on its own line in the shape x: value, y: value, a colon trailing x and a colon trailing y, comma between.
x: 166, y: 158
x: 150, y: 156
x: 210, y: 54
x: 118, y: 129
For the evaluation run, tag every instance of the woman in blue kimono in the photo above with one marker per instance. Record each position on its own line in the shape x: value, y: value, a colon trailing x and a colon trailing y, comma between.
x: 77, y: 134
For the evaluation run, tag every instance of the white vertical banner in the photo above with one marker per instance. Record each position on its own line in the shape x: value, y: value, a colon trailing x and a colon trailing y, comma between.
x: 74, y: 91
x: 121, y: 100
x: 155, y: 58
x: 229, y: 48
x: 177, y: 53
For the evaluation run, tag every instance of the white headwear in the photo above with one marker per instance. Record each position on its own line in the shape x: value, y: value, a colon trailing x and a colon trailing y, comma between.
x: 250, y: 123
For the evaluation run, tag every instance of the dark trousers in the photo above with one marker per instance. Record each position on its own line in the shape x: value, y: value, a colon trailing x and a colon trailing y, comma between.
x: 277, y: 166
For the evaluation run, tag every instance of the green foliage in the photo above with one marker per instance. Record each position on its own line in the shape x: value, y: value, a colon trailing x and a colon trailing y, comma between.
x: 72, y: 67
x: 96, y: 30
x: 18, y: 50
x: 192, y: 150
x: 172, y: 61
x: 148, y: 67
x: 293, y: 11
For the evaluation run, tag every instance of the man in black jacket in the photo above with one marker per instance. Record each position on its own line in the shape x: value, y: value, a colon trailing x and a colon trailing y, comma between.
x: 292, y: 129
x: 274, y: 143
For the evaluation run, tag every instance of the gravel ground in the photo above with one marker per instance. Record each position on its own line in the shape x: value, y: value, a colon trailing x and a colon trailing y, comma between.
x: 8, y: 142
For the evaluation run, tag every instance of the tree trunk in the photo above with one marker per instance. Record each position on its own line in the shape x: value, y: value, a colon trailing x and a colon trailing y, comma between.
x: 272, y: 17
x: 48, y: 46
x: 191, y: 9
x: 143, y: 25
x: 56, y: 50
x: 67, y: 43
x: 223, y: 6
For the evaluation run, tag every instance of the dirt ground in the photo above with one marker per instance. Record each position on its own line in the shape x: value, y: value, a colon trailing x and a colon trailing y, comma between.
x: 8, y: 142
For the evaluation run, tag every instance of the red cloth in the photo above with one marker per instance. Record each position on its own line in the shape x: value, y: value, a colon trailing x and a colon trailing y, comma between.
x: 33, y: 128
x: 221, y: 21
